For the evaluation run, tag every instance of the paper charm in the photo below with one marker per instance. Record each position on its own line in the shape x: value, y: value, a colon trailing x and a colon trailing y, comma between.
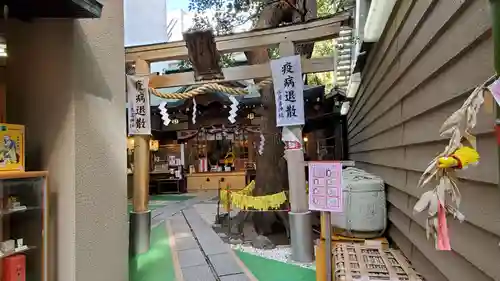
x: 234, y: 109
x: 194, y: 111
x: 261, y: 145
x: 495, y: 90
x: 443, y: 238
x: 164, y: 113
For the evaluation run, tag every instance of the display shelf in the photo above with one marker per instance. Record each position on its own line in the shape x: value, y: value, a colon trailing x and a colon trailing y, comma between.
x: 16, y: 252
x: 9, y: 212
x: 24, y: 215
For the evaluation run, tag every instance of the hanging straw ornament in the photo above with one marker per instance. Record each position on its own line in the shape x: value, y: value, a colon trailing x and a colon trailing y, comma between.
x: 443, y: 168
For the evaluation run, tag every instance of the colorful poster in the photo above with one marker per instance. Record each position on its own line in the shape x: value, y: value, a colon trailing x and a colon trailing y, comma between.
x: 325, y: 186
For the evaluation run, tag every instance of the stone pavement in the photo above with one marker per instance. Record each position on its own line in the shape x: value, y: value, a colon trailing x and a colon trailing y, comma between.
x: 172, y: 208
x: 201, y: 254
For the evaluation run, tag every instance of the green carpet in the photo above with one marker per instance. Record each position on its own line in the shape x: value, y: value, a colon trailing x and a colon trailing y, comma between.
x: 271, y: 270
x: 155, y: 265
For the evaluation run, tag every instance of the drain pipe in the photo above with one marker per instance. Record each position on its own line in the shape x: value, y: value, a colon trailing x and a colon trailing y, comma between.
x: 495, y: 24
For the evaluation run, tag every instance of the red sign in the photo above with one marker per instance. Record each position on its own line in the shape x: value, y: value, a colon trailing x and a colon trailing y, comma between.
x: 293, y: 145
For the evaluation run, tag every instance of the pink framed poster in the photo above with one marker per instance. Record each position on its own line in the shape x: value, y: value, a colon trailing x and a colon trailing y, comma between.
x: 325, y: 186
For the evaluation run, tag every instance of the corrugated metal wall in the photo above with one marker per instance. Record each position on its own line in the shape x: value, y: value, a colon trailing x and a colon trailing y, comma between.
x: 432, y: 54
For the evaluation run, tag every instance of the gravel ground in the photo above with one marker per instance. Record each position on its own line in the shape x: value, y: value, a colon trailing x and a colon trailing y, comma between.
x: 280, y: 253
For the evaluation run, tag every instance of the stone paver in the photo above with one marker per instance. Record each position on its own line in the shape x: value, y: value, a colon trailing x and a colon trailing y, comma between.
x: 213, y: 249
x: 235, y: 277
x: 175, y: 208
x: 191, y: 257
x: 195, y: 240
x: 225, y: 264
x: 197, y: 273
x: 179, y: 226
x: 186, y: 243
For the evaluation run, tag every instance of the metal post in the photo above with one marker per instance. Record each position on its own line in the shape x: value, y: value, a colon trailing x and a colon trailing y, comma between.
x: 328, y: 247
x: 228, y: 208
x: 140, y: 217
x: 300, y: 217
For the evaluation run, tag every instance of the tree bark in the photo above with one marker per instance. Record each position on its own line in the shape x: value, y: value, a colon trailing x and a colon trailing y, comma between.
x: 271, y: 166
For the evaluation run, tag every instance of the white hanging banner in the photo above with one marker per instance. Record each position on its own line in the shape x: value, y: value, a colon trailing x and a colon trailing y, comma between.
x: 288, y: 90
x: 261, y: 144
x: 234, y: 109
x: 164, y: 113
x: 194, y: 111
x: 139, y: 111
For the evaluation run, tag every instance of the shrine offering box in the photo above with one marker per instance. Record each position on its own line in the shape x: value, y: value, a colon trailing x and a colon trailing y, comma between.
x: 11, y: 147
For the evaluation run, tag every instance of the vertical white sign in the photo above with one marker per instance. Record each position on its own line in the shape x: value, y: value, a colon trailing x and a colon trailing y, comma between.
x: 139, y: 111
x: 288, y: 91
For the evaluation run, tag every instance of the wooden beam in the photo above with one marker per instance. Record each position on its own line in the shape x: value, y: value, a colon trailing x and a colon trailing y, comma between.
x: 315, y: 30
x: 239, y: 73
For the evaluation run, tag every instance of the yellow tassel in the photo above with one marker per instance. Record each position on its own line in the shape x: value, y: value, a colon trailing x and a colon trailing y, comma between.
x: 465, y: 155
x: 244, y: 200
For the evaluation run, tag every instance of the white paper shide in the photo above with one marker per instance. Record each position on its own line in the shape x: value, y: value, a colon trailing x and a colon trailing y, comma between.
x: 288, y: 90
x: 139, y: 113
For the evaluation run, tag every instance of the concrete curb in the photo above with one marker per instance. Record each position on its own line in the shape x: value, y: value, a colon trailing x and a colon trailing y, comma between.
x: 175, y: 257
x: 247, y: 271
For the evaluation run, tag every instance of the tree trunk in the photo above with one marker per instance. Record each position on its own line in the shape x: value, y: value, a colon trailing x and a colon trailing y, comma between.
x: 271, y: 166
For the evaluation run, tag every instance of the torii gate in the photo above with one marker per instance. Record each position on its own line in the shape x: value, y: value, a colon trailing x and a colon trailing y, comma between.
x: 285, y: 37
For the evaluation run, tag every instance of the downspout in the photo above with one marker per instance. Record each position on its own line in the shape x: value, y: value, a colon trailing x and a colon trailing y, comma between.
x: 495, y: 25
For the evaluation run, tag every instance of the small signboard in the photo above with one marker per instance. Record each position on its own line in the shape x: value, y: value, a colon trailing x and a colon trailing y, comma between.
x: 325, y: 186
x: 139, y: 111
x: 288, y: 90
x: 291, y: 141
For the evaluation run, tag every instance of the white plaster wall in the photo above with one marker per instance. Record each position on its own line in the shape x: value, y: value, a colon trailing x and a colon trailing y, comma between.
x: 66, y: 84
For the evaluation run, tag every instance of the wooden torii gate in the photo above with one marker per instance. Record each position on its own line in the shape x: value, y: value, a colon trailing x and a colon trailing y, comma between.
x: 283, y: 37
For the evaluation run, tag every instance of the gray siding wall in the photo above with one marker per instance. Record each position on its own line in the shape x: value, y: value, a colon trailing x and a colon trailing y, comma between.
x: 431, y: 56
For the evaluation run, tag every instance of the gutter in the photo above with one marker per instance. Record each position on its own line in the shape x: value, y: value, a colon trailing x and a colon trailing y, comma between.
x: 380, y: 11
x: 376, y: 20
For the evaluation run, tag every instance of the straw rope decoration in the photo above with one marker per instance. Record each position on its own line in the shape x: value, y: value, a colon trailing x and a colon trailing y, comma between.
x: 207, y: 88
x: 443, y: 168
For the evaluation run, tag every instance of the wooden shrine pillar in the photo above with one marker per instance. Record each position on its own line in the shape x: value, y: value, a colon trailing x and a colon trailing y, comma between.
x: 141, y: 158
x: 140, y: 217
